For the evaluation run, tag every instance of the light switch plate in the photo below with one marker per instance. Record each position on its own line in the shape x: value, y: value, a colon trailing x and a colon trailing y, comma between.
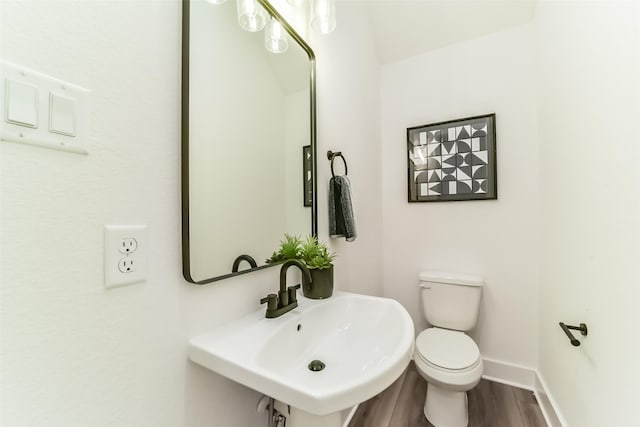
x: 62, y: 110
x: 125, y: 254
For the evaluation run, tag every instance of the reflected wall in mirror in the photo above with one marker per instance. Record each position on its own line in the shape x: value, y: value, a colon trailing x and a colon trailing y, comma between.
x: 247, y: 113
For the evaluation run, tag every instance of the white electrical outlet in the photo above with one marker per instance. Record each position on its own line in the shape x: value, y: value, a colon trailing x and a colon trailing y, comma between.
x: 127, y: 264
x: 128, y: 245
x: 125, y: 254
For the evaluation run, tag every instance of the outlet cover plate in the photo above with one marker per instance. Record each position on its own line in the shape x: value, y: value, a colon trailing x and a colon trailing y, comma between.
x: 114, y: 238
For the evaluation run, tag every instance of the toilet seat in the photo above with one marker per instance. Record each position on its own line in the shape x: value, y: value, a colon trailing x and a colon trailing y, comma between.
x: 447, y: 350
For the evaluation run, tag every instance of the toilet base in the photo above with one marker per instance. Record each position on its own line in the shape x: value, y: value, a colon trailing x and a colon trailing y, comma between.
x: 445, y: 408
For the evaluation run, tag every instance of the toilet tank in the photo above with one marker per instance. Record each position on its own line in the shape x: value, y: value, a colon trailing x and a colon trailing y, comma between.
x: 450, y: 300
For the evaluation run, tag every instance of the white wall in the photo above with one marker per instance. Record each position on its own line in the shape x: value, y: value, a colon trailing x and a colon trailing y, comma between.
x: 75, y: 354
x: 348, y: 121
x: 588, y: 68
x: 495, y: 239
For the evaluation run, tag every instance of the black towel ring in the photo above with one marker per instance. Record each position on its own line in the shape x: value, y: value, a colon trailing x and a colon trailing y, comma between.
x: 331, y: 156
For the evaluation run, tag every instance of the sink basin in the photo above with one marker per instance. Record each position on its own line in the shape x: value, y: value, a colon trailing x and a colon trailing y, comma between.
x: 364, y: 342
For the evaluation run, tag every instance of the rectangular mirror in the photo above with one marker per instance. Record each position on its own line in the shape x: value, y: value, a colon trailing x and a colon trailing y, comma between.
x: 247, y: 113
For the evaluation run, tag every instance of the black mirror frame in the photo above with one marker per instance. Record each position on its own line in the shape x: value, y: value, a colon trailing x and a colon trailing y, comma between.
x: 184, y: 132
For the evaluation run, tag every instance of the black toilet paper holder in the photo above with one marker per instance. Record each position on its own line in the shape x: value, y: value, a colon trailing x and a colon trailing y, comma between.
x: 582, y: 328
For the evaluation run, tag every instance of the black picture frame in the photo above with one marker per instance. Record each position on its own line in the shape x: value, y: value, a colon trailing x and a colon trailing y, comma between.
x: 307, y: 176
x: 453, y: 160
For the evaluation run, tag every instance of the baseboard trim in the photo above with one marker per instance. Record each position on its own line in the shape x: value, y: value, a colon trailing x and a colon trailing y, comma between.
x: 547, y: 403
x: 528, y: 379
x: 509, y: 374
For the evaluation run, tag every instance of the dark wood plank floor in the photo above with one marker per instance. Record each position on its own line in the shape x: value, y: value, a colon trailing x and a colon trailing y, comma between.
x: 490, y: 405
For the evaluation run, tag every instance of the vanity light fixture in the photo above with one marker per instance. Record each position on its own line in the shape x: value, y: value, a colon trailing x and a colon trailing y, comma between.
x: 251, y: 16
x: 275, y: 38
x: 323, y: 15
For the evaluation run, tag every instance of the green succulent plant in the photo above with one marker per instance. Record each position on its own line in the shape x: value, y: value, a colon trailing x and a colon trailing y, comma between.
x: 315, y: 254
x: 310, y: 251
x: 289, y: 249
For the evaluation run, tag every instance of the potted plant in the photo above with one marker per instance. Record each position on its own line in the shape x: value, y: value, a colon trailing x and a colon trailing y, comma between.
x: 319, y: 261
x: 315, y: 256
x: 289, y: 249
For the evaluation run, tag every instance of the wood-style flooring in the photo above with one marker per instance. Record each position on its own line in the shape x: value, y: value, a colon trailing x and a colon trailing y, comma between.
x: 491, y: 404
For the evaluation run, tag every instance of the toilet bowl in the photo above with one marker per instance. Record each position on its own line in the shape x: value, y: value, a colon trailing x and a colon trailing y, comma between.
x: 450, y: 362
x: 447, y: 358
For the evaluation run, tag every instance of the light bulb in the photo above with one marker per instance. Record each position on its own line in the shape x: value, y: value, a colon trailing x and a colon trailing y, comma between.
x: 275, y: 37
x: 251, y: 16
x: 324, y: 16
x: 217, y: 1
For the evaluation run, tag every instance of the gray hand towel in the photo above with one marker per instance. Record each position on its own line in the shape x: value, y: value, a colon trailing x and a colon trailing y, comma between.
x: 341, y: 222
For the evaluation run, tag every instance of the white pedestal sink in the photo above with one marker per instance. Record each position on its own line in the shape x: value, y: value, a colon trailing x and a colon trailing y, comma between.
x: 364, y: 342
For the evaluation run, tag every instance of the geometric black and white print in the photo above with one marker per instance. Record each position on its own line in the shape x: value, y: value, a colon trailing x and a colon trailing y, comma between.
x: 454, y: 160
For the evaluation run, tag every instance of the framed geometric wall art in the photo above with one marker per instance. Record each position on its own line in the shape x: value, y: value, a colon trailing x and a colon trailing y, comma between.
x: 453, y: 161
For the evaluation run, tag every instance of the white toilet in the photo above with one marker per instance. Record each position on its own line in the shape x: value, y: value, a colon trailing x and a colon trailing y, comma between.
x: 445, y: 356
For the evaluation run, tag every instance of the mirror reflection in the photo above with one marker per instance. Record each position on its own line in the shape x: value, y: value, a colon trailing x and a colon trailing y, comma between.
x: 248, y: 119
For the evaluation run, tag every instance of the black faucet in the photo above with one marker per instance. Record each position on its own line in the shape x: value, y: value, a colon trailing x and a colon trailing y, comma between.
x: 286, y: 299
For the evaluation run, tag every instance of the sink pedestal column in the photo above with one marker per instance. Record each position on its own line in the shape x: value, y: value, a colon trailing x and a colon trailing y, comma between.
x: 300, y: 418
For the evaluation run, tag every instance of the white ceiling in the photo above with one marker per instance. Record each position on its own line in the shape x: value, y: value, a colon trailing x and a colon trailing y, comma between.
x: 405, y: 28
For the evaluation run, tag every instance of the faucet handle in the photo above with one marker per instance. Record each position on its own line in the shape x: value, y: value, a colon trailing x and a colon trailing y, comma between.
x: 272, y: 302
x: 292, y: 293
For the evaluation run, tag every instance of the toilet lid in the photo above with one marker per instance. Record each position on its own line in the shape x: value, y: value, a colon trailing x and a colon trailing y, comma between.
x: 447, y: 349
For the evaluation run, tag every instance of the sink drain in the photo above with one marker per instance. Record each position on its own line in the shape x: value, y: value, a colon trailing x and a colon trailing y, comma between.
x: 316, y: 365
